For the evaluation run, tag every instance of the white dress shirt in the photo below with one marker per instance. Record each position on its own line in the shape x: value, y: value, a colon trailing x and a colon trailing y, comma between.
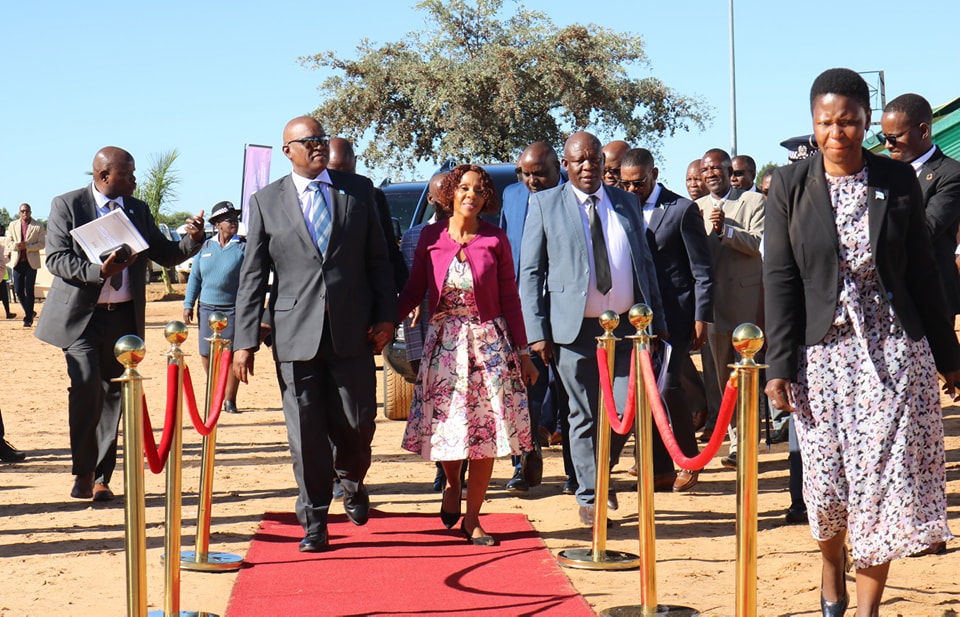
x: 109, y: 295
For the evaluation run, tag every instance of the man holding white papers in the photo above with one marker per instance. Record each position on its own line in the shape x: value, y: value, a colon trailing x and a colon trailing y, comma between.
x: 91, y: 305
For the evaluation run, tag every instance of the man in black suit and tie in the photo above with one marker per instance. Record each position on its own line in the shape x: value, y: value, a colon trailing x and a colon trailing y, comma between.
x: 91, y: 305
x: 583, y: 252
x: 332, y: 306
x: 678, y: 242
x: 907, y: 123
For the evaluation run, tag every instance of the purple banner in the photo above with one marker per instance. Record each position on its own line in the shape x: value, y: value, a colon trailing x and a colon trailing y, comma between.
x: 256, y: 174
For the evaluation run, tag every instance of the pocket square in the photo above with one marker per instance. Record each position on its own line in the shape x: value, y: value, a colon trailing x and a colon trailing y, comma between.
x: 880, y: 195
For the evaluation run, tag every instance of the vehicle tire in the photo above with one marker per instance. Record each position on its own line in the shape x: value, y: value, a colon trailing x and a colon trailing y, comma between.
x: 397, y: 394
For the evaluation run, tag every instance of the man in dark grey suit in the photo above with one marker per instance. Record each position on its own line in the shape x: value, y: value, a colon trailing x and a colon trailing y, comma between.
x: 332, y: 305
x: 907, y: 124
x: 678, y: 242
x: 584, y: 252
x: 90, y: 306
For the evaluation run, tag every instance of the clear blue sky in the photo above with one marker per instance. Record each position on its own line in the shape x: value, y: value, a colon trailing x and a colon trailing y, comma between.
x: 209, y: 77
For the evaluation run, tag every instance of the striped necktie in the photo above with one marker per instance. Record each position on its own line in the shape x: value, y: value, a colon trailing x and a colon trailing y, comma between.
x: 319, y: 216
x: 116, y: 281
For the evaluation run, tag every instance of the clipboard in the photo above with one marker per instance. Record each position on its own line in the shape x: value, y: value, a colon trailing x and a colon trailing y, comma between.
x: 107, y: 232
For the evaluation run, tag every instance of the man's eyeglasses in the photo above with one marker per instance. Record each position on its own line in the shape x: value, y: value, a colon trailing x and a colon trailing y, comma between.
x: 611, y: 171
x: 311, y: 143
x: 738, y: 173
x: 887, y: 138
x: 634, y: 184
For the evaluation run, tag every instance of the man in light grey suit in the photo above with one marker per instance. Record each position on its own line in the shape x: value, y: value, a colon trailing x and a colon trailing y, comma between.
x: 90, y: 306
x: 583, y: 243
x: 332, y: 306
x: 734, y: 224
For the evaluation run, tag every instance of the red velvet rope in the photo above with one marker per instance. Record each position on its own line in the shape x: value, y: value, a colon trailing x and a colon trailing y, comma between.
x: 666, y: 432
x: 157, y: 457
x: 619, y: 426
x: 205, y: 428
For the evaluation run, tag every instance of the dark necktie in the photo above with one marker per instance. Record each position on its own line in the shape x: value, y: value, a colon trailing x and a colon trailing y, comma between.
x: 116, y: 281
x: 601, y: 262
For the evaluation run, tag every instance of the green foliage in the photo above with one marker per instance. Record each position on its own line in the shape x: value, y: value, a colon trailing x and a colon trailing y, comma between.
x: 173, y: 220
x: 158, y: 186
x: 5, y: 217
x: 480, y: 84
x: 763, y: 170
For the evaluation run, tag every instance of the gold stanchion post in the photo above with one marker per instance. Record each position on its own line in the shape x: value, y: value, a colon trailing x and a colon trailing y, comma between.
x: 201, y: 559
x: 640, y: 316
x: 598, y: 557
x: 747, y: 341
x: 176, y: 334
x: 130, y: 351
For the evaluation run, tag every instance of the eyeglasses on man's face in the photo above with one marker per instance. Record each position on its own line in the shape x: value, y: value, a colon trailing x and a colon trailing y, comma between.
x: 311, y: 143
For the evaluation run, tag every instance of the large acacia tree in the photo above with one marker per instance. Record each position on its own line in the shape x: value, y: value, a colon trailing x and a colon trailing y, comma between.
x: 480, y: 84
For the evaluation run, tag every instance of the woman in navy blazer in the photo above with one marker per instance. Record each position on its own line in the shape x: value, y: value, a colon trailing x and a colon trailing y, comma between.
x: 856, y: 334
x: 469, y: 401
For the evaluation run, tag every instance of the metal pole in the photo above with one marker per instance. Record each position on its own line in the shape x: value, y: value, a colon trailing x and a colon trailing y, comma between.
x: 176, y: 334
x: 747, y: 340
x: 598, y: 557
x: 130, y: 351
x: 641, y: 316
x: 201, y: 559
x: 733, y: 90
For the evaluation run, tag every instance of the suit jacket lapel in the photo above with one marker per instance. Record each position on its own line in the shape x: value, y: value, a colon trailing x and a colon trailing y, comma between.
x: 818, y: 202
x: 290, y: 206
x: 338, y: 209
x: 878, y: 197
x: 928, y: 173
x: 571, y: 212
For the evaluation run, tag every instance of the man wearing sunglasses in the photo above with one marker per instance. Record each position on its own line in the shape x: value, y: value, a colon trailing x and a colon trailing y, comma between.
x: 681, y: 256
x: 907, y: 124
x: 743, y: 175
x: 332, y: 305
x: 25, y: 238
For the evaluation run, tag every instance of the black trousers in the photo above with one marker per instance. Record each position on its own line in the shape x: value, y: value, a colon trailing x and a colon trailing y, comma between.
x: 24, y: 281
x: 94, y: 401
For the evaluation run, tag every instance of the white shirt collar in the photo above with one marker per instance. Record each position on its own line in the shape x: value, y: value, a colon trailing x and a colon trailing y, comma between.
x: 301, y: 183
x: 102, y: 200
x: 582, y: 197
x: 920, y: 162
x: 654, y: 196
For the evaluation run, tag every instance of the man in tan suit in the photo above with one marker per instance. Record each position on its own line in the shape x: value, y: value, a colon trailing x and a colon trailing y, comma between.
x: 25, y: 238
x: 734, y: 223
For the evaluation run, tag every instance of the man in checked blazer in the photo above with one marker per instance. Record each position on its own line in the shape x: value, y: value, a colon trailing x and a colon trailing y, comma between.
x: 907, y: 123
x: 332, y: 306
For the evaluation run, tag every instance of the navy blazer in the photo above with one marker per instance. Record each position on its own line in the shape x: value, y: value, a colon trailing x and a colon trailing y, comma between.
x: 801, y: 261
x: 678, y: 243
x: 940, y: 182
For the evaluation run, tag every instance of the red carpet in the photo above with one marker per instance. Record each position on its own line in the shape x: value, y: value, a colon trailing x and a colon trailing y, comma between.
x: 402, y: 565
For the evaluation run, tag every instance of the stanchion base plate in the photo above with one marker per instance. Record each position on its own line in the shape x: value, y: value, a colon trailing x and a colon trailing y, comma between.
x: 638, y: 611
x: 582, y: 559
x: 182, y: 614
x: 214, y: 562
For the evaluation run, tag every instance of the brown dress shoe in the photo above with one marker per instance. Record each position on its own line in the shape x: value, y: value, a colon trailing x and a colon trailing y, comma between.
x: 586, y: 515
x: 83, y: 486
x: 663, y: 483
x: 685, y: 480
x: 102, y: 492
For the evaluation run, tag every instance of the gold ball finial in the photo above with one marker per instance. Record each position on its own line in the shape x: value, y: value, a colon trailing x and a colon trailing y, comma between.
x: 609, y: 320
x: 217, y: 321
x: 175, y: 332
x: 640, y: 316
x: 747, y: 340
x: 129, y: 351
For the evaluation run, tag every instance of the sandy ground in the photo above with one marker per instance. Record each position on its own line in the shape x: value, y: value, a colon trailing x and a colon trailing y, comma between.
x: 62, y: 556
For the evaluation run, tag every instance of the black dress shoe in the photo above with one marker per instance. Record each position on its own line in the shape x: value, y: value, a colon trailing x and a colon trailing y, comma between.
x: 796, y: 515
x: 83, y: 486
x: 570, y: 487
x: 9, y: 454
x: 612, y: 502
x: 230, y: 407
x: 730, y: 461
x: 518, y: 484
x: 315, y: 542
x: 357, y: 506
x: 11, y: 315
x: 834, y: 609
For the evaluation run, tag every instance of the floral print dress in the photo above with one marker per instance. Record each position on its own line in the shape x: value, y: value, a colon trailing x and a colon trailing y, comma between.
x: 469, y: 401
x: 868, y: 411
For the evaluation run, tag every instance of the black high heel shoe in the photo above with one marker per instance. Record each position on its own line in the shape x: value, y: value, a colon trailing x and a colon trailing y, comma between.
x: 838, y: 608
x: 484, y: 540
x: 834, y: 609
x: 450, y: 519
